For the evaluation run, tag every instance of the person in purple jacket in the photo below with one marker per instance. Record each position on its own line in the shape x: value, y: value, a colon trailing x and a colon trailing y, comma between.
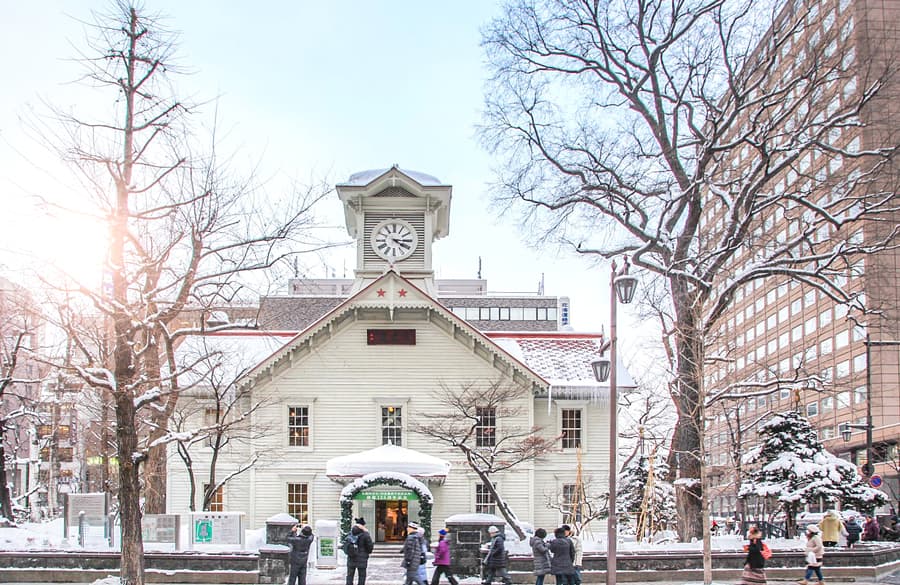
x: 442, y: 560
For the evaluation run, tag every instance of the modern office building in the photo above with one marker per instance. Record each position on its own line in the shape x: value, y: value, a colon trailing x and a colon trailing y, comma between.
x: 845, y: 364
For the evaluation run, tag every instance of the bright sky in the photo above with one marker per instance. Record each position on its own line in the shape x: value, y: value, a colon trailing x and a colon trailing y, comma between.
x: 312, y: 89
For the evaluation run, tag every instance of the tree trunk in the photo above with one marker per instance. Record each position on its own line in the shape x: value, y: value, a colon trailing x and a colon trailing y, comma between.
x: 5, y: 499
x: 686, y: 448
x: 132, y: 557
x: 155, y: 477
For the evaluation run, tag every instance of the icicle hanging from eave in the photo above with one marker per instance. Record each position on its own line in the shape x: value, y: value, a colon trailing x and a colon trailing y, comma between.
x: 593, y: 394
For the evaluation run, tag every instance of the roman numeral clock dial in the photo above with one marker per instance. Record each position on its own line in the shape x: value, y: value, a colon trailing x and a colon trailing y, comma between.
x: 394, y: 240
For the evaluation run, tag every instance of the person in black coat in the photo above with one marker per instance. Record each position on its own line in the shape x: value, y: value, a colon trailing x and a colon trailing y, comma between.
x: 562, y: 559
x: 300, y: 542
x: 358, y: 546
x: 754, y: 563
x: 495, y: 562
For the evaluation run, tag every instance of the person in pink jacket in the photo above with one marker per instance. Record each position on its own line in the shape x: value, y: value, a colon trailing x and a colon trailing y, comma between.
x: 442, y: 560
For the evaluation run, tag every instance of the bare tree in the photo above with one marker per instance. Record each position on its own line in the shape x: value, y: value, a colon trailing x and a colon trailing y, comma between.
x: 478, y: 420
x: 182, y: 230
x: 592, y: 504
x: 693, y: 128
x: 17, y: 400
x: 215, y: 412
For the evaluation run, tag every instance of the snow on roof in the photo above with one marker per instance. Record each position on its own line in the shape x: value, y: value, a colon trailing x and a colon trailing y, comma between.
x: 563, y: 359
x: 228, y: 354
x: 363, y: 178
x: 387, y: 458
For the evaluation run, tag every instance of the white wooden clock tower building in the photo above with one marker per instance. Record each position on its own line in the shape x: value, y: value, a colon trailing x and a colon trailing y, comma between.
x: 337, y: 399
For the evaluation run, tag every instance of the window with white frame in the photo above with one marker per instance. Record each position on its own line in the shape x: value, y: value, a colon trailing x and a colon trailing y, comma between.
x: 298, y: 501
x: 217, y: 501
x: 812, y: 409
x: 571, y: 428
x: 392, y: 425
x: 486, y: 429
x: 484, y: 500
x: 298, y: 426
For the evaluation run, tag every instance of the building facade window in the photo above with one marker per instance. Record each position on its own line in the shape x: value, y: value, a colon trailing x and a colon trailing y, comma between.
x: 571, y: 428
x: 392, y: 425
x: 486, y: 430
x: 484, y: 500
x: 573, y: 503
x: 298, y: 501
x: 298, y: 426
x: 217, y: 502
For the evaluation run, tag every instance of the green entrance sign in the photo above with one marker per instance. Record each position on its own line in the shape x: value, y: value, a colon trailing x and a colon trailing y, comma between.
x: 203, y: 531
x: 387, y: 495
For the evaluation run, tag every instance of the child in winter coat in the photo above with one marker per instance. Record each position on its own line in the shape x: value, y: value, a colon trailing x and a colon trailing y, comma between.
x: 853, y: 529
x: 814, y: 553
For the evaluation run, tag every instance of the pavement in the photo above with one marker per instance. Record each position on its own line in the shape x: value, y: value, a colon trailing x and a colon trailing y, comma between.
x: 387, y: 571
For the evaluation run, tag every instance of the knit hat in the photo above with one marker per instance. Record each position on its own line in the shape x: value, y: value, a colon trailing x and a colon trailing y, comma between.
x: 813, y: 529
x: 306, y: 531
x: 412, y: 526
x: 493, y: 530
x: 442, y: 532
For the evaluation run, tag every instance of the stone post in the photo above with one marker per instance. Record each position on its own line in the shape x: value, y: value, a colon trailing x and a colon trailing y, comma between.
x: 466, y: 534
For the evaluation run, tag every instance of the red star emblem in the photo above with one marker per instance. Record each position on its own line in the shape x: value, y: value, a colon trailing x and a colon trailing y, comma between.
x: 402, y: 292
x: 381, y: 292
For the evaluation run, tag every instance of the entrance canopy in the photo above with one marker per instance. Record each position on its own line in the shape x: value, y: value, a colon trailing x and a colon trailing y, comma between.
x: 388, y: 458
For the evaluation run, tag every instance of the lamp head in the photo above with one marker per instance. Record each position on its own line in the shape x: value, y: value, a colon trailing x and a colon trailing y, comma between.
x: 625, y: 286
x: 601, y: 369
x: 845, y: 432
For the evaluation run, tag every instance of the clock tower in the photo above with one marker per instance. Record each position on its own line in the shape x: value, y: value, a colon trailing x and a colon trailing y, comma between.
x: 395, y: 215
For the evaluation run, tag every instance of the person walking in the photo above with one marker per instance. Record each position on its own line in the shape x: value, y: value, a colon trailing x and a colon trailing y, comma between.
x: 423, y: 560
x: 815, y: 552
x: 358, y: 546
x: 562, y: 558
x: 412, y: 554
x: 871, y: 530
x: 540, y: 551
x: 755, y: 563
x: 442, y: 560
x: 300, y: 541
x: 853, y: 529
x: 831, y: 527
x: 579, y: 551
x: 496, y: 561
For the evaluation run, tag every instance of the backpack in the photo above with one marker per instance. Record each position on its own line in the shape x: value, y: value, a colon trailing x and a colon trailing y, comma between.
x: 351, y: 545
x: 766, y: 551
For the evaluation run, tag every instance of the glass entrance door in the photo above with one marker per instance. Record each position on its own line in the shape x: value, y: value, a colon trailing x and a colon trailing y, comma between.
x: 390, y: 518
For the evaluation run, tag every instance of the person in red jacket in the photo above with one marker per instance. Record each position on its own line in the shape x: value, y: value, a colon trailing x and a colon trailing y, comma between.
x: 442, y: 560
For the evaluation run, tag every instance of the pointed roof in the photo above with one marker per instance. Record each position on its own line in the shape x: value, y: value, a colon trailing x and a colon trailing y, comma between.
x: 366, y: 184
x: 392, y: 292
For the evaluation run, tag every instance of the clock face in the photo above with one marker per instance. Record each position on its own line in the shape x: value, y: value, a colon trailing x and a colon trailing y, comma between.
x: 394, y: 239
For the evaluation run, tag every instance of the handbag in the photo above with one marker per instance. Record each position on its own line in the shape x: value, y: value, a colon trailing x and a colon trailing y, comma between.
x: 810, y: 557
x: 766, y: 551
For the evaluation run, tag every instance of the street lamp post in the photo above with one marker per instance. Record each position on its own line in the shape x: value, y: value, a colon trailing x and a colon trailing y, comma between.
x: 622, y: 286
x: 845, y: 428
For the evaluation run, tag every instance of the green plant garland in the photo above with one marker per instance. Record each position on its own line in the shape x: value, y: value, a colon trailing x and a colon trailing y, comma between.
x: 426, y: 502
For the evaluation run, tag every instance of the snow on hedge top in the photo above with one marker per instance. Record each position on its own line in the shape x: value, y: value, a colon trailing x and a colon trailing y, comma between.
x: 400, y: 479
x: 387, y: 458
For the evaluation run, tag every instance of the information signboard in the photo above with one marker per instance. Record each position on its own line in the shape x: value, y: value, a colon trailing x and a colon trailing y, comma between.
x: 93, y: 505
x: 217, y: 528
x: 159, y: 528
